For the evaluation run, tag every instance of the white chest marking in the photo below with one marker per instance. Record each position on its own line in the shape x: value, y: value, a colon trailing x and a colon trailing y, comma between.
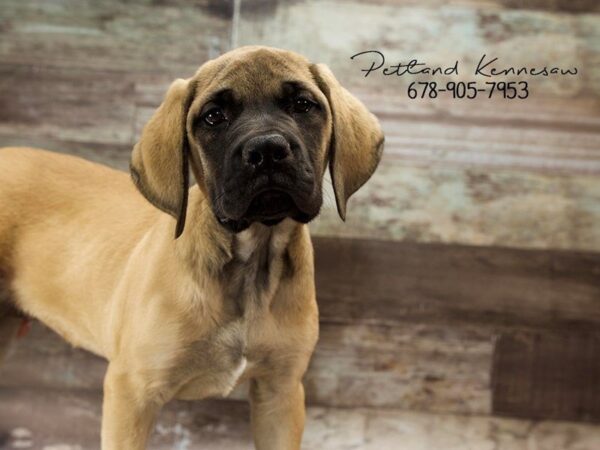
x: 235, y: 376
x: 247, y: 242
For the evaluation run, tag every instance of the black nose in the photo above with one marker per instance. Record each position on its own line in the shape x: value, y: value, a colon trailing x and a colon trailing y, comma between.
x: 266, y: 151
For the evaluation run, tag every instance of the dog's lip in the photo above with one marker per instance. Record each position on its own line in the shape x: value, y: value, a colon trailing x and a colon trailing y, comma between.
x: 271, y: 186
x: 270, y: 204
x: 234, y: 216
x: 289, y: 208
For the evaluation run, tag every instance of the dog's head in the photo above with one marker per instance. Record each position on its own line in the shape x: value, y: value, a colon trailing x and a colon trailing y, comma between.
x: 258, y: 126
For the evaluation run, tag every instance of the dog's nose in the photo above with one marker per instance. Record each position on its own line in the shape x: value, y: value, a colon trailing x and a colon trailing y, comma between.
x: 266, y: 151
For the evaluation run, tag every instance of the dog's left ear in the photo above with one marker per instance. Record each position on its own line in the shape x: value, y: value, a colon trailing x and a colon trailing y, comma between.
x: 356, y: 141
x: 160, y: 160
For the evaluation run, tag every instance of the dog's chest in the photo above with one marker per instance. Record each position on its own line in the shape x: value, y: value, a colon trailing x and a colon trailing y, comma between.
x: 249, y: 282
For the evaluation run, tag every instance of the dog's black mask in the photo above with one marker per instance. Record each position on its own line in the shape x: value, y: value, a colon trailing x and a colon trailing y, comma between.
x: 263, y: 153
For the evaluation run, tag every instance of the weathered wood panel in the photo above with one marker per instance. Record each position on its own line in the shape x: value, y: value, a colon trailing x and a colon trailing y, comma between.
x: 538, y: 375
x: 434, y: 184
x: 74, y: 78
x: 421, y: 367
x: 75, y: 105
x: 485, y: 172
x: 543, y: 136
x: 42, y: 359
x: 402, y: 325
x: 472, y: 205
x: 571, y: 6
x: 437, y: 33
x: 44, y: 420
x: 367, y: 281
x: 136, y: 36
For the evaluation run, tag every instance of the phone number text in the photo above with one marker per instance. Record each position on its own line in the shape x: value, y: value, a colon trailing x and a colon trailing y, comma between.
x: 469, y: 90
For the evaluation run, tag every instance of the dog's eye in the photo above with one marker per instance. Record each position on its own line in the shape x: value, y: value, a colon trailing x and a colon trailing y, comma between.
x: 302, y: 105
x: 214, y: 117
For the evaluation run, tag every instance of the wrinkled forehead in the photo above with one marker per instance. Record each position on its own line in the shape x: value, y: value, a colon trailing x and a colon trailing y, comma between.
x: 254, y: 74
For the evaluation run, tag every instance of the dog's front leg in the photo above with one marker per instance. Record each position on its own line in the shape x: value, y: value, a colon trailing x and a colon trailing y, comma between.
x: 277, y: 409
x: 128, y: 411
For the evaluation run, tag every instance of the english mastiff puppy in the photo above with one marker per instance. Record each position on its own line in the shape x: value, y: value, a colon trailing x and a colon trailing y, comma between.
x: 189, y: 291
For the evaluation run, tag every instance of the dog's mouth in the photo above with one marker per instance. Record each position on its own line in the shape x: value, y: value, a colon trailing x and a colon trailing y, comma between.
x: 269, y: 207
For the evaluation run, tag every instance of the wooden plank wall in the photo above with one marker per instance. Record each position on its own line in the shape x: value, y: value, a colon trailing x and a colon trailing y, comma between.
x: 490, y: 209
x: 416, y: 326
x: 84, y: 76
x: 475, y: 172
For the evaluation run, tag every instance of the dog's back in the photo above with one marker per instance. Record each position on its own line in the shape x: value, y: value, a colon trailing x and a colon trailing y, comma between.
x: 14, y: 165
x: 57, y: 214
x: 39, y: 183
x: 41, y: 189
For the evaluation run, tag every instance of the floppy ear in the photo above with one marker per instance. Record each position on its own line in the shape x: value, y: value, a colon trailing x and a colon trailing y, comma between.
x: 160, y: 160
x: 356, y: 139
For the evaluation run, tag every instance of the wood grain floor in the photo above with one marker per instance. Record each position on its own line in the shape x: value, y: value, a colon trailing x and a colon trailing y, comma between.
x: 70, y: 421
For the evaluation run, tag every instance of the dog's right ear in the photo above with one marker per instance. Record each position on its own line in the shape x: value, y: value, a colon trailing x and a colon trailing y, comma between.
x: 160, y: 160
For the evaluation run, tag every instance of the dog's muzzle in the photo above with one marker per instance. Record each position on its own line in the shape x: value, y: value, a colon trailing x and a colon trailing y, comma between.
x: 278, y: 184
